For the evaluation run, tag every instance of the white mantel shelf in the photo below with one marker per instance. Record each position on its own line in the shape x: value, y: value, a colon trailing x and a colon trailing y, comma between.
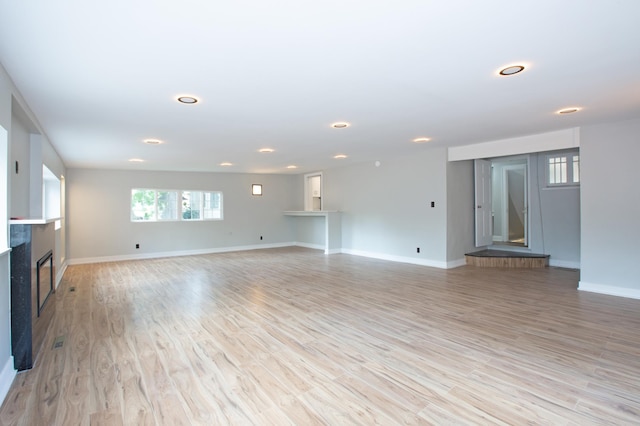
x: 39, y: 221
x: 332, y: 227
x: 310, y: 212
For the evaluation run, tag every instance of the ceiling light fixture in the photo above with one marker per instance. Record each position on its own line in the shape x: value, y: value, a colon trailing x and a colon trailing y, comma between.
x: 340, y: 125
x: 136, y: 160
x: 339, y: 156
x: 226, y: 164
x: 152, y: 141
x: 570, y: 110
x: 266, y: 150
x: 292, y: 167
x: 511, y: 70
x: 421, y: 140
x: 187, y: 100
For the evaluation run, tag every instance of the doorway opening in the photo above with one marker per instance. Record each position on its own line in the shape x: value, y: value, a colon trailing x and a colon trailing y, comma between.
x: 313, y: 191
x: 509, y: 182
x: 502, y: 200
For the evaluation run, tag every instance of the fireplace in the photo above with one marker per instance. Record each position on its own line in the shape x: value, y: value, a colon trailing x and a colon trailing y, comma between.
x: 44, y: 280
x: 32, y: 287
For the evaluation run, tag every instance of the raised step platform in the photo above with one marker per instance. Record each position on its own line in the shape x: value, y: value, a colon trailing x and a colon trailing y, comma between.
x: 506, y: 259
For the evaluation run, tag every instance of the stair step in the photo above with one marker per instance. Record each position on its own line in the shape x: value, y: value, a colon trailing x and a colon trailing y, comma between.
x: 506, y: 259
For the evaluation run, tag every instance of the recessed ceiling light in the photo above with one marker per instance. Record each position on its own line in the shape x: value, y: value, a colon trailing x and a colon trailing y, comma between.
x: 511, y: 70
x: 136, y: 160
x: 421, y: 140
x: 226, y: 164
x: 292, y: 167
x: 339, y: 156
x: 187, y: 99
x: 340, y: 125
x: 570, y: 110
x: 152, y: 141
x: 266, y: 150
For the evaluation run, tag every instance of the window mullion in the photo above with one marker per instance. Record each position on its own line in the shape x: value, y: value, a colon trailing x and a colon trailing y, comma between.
x: 155, y: 193
x: 201, y: 217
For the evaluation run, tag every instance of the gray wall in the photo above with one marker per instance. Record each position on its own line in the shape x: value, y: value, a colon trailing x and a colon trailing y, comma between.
x: 555, y: 225
x: 309, y: 231
x: 460, y: 211
x: 610, y: 208
x: 99, y: 225
x: 386, y: 210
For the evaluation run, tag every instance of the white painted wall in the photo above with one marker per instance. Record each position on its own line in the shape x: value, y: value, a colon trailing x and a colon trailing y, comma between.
x: 561, y: 139
x: 386, y: 210
x: 610, y: 208
x: 7, y: 372
x: 98, y: 214
x: 19, y: 149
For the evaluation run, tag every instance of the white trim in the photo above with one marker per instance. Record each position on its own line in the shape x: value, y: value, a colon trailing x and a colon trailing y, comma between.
x: 156, y: 255
x: 632, y: 293
x: 402, y: 259
x: 60, y: 273
x: 392, y: 258
x: 542, y: 142
x: 5, y: 250
x: 7, y: 376
x: 456, y: 263
x: 311, y: 246
x: 564, y: 263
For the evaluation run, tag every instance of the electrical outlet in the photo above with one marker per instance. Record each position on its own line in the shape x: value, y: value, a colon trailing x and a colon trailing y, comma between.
x: 137, y: 246
x: 433, y: 204
x: 418, y: 250
x: 260, y: 237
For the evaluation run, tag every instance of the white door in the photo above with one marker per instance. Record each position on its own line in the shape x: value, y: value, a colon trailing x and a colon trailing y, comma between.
x: 484, y: 229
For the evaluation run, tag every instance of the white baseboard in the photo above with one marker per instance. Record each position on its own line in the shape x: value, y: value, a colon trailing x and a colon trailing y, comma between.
x: 563, y: 263
x: 157, y: 255
x: 402, y: 259
x: 7, y: 376
x: 381, y: 256
x: 308, y: 245
x: 456, y: 263
x: 60, y: 273
x: 632, y: 293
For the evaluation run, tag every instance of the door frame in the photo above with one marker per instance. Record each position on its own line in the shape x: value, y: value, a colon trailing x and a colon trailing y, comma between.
x: 505, y: 200
x: 308, y: 195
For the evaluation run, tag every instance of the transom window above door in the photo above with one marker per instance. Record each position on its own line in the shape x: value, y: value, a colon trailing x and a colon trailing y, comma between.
x: 563, y: 169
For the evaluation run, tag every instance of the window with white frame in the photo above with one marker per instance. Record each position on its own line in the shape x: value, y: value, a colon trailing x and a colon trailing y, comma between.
x: 155, y: 205
x: 563, y: 169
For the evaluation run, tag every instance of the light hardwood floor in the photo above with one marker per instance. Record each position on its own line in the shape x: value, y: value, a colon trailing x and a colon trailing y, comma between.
x: 291, y: 336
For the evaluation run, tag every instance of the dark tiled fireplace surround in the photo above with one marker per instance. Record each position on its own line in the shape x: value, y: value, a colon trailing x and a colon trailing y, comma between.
x: 32, y: 285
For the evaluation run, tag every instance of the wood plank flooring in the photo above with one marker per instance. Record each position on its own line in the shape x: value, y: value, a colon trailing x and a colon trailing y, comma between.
x: 291, y: 336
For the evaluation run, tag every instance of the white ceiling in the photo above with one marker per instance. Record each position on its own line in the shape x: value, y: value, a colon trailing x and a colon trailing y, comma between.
x: 103, y: 76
